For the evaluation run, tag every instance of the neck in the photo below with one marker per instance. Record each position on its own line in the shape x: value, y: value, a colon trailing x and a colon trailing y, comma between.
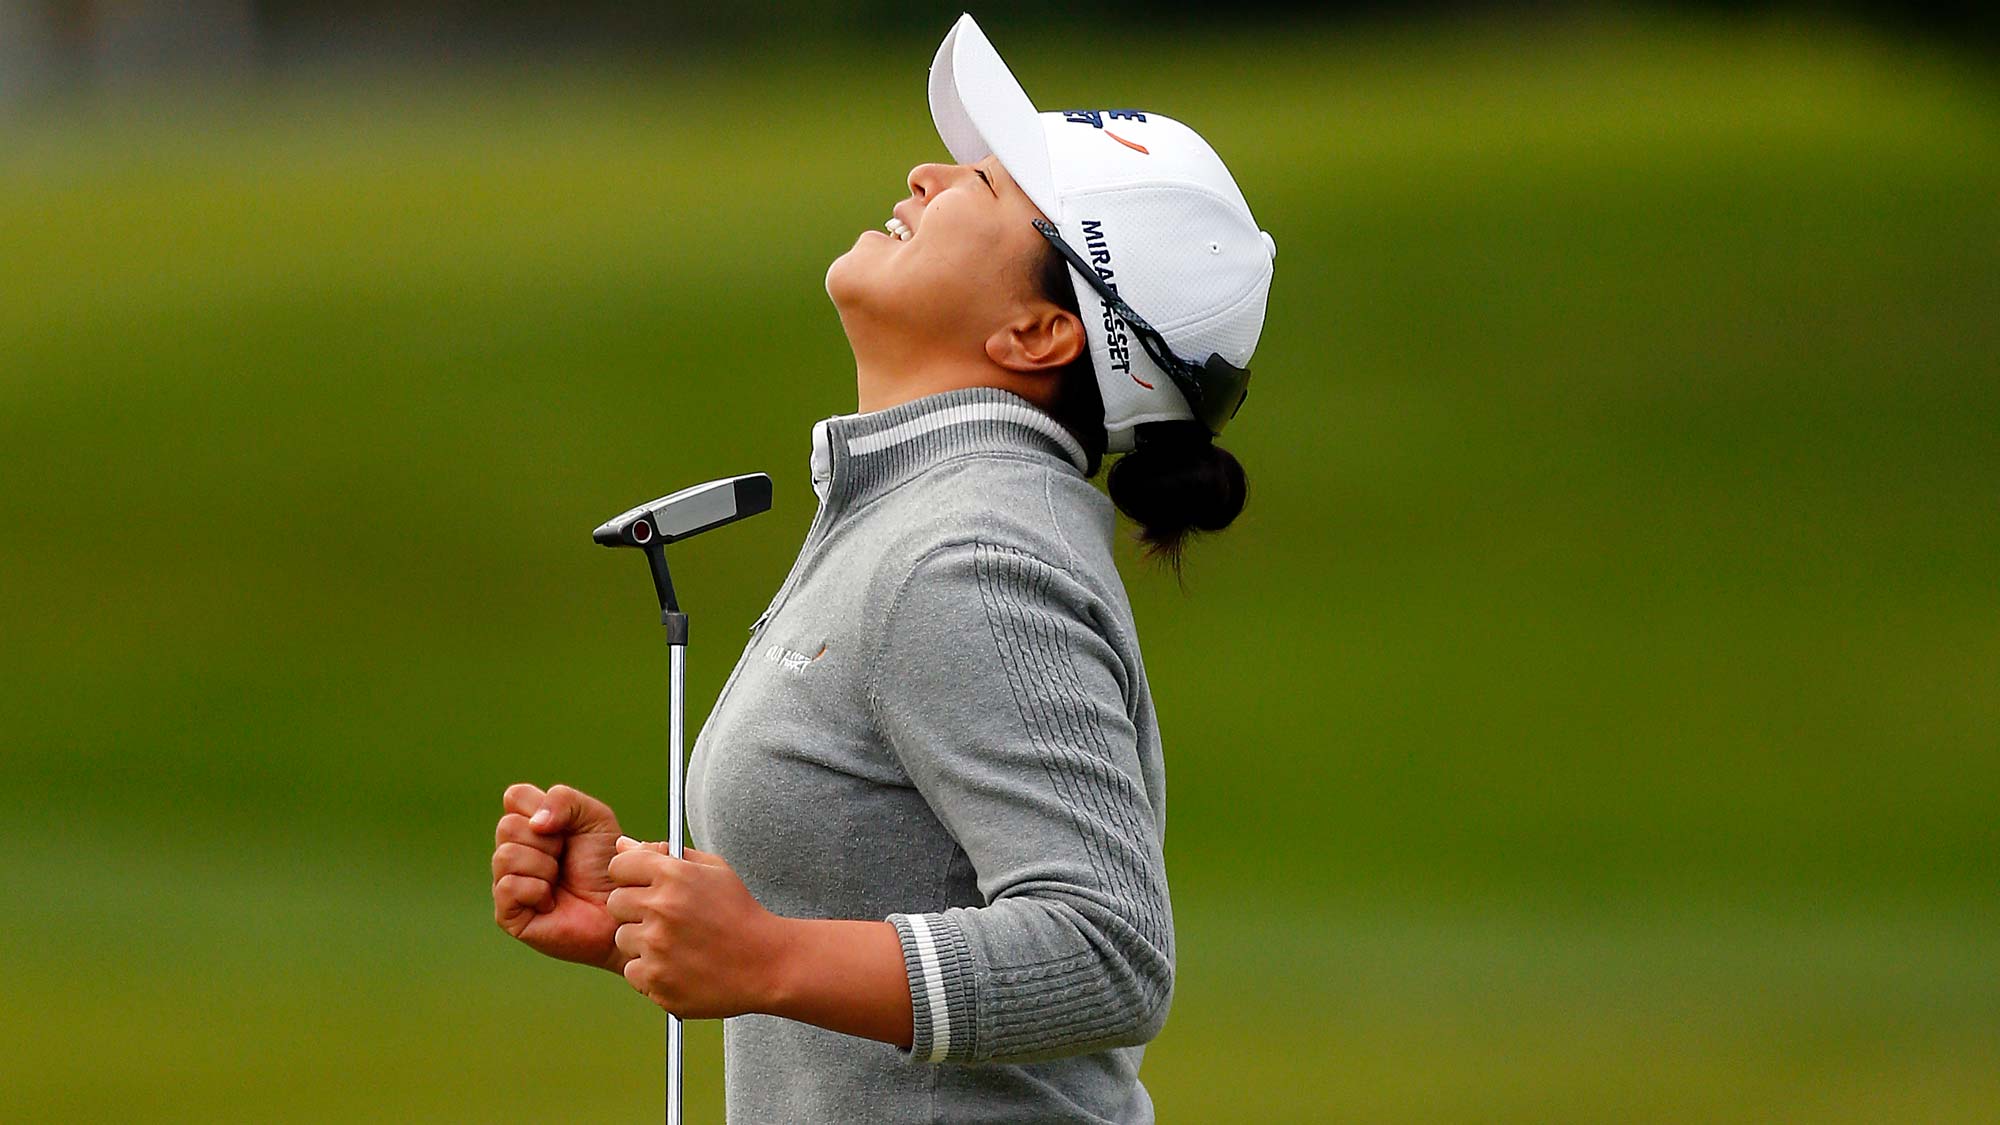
x: 890, y: 372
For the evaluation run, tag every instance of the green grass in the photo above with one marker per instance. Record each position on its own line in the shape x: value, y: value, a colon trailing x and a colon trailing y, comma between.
x: 1591, y: 718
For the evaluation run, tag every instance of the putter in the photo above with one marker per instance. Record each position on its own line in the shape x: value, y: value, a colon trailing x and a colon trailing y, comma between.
x: 650, y: 527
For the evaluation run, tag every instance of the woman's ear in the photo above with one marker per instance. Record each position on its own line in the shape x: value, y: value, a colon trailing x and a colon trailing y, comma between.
x: 1040, y: 340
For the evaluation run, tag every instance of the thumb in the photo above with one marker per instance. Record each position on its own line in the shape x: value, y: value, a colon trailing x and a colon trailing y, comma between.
x: 628, y: 844
x: 567, y: 810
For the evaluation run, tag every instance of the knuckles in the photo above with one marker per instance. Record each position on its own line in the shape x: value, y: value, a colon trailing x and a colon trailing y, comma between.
x: 514, y: 829
x: 644, y: 866
x: 647, y: 974
x: 630, y: 868
x: 513, y: 894
x: 565, y: 795
x: 643, y: 902
x: 640, y: 938
x: 522, y: 888
x: 619, y: 904
x: 520, y: 859
x: 638, y: 973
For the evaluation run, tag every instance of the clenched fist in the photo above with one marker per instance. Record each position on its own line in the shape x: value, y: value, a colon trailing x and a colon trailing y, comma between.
x: 693, y: 939
x: 552, y: 874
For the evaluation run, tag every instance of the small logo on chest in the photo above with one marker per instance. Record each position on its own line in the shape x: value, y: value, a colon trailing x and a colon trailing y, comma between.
x: 790, y: 659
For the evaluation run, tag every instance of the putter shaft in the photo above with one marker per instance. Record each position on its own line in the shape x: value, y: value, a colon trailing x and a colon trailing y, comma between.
x: 676, y: 689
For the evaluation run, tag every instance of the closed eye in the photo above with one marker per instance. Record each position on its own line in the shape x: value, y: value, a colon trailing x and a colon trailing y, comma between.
x: 989, y: 183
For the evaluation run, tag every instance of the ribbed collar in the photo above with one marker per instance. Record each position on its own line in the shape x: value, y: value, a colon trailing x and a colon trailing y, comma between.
x: 856, y: 457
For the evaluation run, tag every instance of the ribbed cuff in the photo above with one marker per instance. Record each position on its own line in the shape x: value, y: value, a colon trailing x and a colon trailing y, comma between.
x: 938, y: 960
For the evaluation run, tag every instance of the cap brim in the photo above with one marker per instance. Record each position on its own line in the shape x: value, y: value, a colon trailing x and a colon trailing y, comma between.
x: 980, y: 111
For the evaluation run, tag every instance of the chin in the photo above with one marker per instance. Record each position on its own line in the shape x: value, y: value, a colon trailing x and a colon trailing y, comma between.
x: 842, y: 284
x: 832, y: 282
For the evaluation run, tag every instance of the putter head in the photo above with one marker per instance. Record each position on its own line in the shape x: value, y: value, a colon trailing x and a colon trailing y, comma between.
x: 687, y: 513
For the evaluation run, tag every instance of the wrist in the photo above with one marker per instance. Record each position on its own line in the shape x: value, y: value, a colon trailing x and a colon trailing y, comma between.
x: 775, y: 987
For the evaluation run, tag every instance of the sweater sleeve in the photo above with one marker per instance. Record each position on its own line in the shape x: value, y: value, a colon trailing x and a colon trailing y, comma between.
x: 998, y: 692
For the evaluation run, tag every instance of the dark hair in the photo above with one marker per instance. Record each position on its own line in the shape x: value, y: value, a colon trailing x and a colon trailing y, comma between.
x: 1176, y: 481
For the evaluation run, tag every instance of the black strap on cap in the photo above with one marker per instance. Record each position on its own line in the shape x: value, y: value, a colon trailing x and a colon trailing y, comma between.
x: 1214, y: 389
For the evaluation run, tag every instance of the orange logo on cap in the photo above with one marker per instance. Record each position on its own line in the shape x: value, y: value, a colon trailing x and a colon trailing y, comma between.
x: 1126, y: 143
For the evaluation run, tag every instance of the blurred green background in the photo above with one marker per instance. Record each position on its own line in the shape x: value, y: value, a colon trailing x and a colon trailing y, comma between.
x: 1592, y: 717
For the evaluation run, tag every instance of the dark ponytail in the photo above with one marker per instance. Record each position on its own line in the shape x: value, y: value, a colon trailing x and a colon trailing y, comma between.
x: 1176, y: 482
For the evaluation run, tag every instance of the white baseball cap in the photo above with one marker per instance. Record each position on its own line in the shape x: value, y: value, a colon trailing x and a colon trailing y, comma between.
x: 1146, y: 204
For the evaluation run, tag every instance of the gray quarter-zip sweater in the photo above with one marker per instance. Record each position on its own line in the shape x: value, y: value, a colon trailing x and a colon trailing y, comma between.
x: 942, y: 721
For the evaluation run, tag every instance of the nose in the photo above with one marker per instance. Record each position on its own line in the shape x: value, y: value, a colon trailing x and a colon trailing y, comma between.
x: 927, y: 179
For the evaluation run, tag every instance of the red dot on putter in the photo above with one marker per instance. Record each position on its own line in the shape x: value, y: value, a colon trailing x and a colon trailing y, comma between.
x: 642, y: 531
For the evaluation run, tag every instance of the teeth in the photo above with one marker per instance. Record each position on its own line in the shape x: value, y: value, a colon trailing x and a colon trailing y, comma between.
x: 897, y: 227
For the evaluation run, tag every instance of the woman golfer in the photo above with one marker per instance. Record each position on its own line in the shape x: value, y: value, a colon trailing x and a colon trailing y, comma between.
x: 930, y: 799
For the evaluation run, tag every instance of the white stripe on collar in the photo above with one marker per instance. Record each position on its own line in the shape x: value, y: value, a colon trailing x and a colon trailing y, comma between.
x: 973, y: 412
